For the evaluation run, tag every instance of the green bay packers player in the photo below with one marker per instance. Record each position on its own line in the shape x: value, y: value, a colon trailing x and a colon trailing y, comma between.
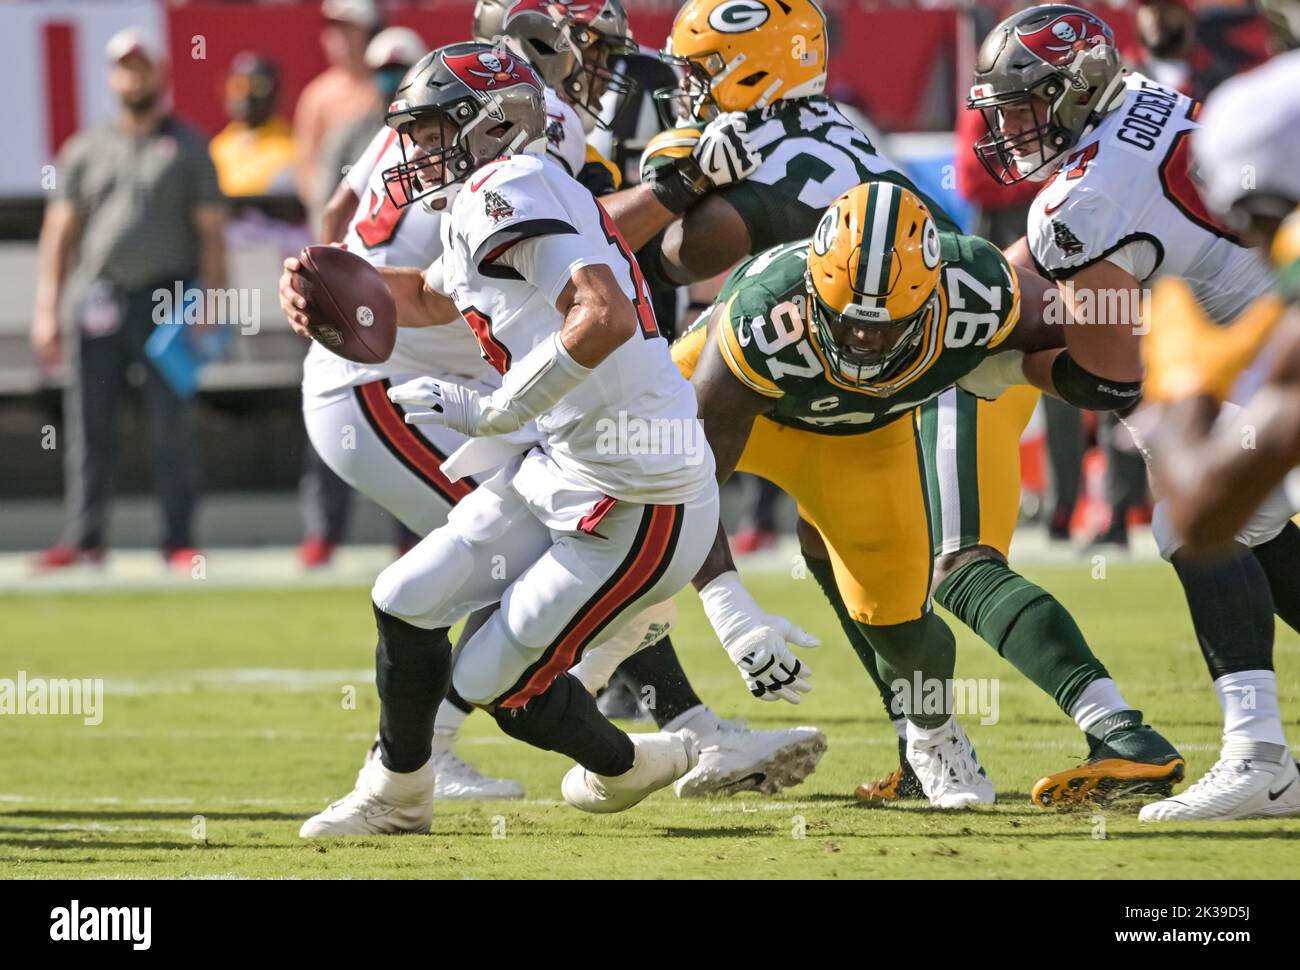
x: 826, y: 367
x: 753, y: 115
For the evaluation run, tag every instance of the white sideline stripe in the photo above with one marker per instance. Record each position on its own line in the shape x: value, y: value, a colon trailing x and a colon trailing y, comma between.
x: 295, y: 804
x: 245, y: 679
x: 277, y: 567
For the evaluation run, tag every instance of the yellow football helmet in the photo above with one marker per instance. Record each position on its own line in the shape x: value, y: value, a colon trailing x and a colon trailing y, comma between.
x: 873, y: 281
x: 743, y: 54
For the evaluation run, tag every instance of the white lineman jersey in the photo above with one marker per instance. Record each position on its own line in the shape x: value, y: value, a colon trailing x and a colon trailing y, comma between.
x: 385, y: 235
x: 1251, y: 125
x: 629, y: 430
x: 1130, y: 183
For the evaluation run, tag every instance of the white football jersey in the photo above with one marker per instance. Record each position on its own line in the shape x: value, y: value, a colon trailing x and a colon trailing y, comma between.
x: 385, y: 235
x: 1128, y: 192
x: 1251, y: 126
x: 628, y: 431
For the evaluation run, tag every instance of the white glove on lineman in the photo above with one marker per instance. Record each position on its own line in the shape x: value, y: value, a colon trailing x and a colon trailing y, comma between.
x: 724, y: 152
x: 995, y: 374
x: 756, y: 641
x: 533, y: 385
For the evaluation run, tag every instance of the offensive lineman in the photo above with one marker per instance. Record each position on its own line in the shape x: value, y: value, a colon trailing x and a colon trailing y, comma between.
x: 572, y: 535
x: 1118, y: 209
x: 1213, y: 484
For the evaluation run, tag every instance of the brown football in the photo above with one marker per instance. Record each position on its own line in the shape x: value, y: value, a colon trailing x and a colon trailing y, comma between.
x: 352, y: 312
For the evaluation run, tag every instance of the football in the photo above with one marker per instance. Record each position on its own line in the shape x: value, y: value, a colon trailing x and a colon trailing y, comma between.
x: 352, y: 311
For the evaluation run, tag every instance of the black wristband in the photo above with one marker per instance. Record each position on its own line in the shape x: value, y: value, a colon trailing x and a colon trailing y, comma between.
x: 680, y: 185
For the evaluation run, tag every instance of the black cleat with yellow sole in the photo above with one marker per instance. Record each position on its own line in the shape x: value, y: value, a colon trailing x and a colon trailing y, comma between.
x: 1125, y: 757
x: 899, y: 785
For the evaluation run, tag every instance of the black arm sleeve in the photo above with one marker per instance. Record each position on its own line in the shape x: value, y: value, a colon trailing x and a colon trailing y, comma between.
x: 1084, y: 389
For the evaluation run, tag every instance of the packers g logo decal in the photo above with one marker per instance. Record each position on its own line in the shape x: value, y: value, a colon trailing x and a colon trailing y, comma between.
x: 930, y: 244
x: 738, y: 16
x: 824, y: 235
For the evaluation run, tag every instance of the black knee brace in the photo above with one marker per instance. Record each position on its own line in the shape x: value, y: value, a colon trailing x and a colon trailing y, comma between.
x: 564, y: 718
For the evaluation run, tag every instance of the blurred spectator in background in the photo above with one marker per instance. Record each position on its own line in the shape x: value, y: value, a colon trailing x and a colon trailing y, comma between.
x: 136, y: 209
x: 1195, y: 48
x: 1167, y: 32
x: 388, y: 56
x: 340, y: 94
x: 325, y: 499
x: 254, y: 152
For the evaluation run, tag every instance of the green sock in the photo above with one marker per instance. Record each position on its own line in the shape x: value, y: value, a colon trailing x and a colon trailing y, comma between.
x: 1025, y: 624
x: 824, y: 573
x: 918, y: 656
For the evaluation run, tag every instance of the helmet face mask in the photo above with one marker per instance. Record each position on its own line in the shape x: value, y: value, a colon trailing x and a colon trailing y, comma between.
x: 692, y: 98
x: 433, y: 160
x: 594, y: 74
x: 1022, y: 142
x: 457, y: 109
x: 575, y: 47
x: 866, y: 351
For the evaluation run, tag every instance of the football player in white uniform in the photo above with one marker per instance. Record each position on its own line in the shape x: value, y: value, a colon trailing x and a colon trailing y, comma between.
x: 574, y: 47
x: 1118, y: 209
x: 1212, y: 484
x: 361, y: 435
x: 608, y: 514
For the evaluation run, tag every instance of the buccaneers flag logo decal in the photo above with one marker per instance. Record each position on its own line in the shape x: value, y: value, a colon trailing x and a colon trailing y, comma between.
x: 1059, y: 41
x: 490, y: 69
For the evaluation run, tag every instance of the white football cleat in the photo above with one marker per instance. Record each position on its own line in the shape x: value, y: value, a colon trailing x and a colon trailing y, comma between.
x: 950, y: 773
x: 661, y: 758
x: 378, y: 806
x: 1234, y: 788
x: 460, y: 781
x: 735, y: 759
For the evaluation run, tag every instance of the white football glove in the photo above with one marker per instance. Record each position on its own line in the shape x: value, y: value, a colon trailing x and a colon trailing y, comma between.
x: 451, y: 405
x: 724, y: 151
x: 756, y: 641
x: 530, y: 387
x: 995, y: 374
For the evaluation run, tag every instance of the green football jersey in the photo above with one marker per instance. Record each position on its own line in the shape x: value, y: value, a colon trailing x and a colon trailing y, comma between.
x: 811, y: 155
x: 764, y: 338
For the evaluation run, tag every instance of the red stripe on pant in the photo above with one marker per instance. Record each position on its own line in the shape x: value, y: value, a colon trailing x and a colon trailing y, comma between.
x: 657, y: 547
x: 389, y: 421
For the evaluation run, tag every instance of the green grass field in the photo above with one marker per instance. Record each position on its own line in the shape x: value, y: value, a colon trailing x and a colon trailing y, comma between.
x: 225, y: 726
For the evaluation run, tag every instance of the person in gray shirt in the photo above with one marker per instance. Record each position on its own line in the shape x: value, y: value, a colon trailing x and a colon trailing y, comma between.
x: 135, y: 209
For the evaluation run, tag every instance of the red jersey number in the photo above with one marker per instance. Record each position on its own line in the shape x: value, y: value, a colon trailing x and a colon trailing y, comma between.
x: 380, y: 225
x: 494, y: 352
